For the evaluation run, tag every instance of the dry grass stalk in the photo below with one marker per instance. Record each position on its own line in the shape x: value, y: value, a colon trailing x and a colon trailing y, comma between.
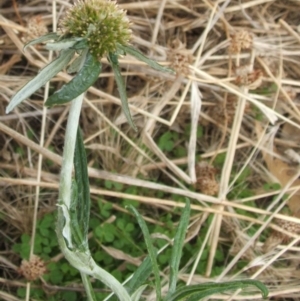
x: 239, y: 57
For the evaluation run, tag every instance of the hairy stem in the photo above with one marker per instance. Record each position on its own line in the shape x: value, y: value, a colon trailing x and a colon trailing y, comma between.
x: 81, y: 260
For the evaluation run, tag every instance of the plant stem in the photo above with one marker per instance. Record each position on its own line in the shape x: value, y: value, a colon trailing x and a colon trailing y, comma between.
x: 68, y: 154
x: 81, y: 260
x: 88, y: 287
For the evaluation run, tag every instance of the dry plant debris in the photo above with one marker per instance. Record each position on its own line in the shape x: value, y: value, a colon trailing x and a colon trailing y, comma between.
x: 277, y: 237
x: 36, y: 27
x: 240, y: 40
x: 206, y: 179
x: 33, y: 269
x: 238, y: 63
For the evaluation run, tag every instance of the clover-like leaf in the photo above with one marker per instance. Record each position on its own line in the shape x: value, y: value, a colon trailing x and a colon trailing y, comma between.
x: 85, y: 78
x: 113, y: 58
x: 42, y: 78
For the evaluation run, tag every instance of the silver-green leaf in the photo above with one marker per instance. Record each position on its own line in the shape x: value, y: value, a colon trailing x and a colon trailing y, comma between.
x: 113, y: 58
x: 63, y: 44
x: 77, y: 64
x: 178, y: 246
x: 44, y: 38
x: 136, y: 296
x: 42, y: 78
x: 151, y: 251
x: 132, y: 51
x: 85, y: 78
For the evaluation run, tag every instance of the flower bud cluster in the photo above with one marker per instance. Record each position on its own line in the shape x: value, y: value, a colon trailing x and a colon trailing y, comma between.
x: 103, y: 23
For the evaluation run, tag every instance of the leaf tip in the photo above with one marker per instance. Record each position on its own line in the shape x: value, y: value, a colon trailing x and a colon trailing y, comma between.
x: 47, y: 104
x: 134, y: 127
x: 9, y: 108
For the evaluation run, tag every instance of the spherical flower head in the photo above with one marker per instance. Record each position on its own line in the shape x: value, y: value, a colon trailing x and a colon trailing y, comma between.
x: 102, y: 21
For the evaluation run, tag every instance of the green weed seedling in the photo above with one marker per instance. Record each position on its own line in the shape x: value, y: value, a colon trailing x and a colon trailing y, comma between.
x: 95, y: 29
x: 45, y: 241
x: 190, y: 293
x: 23, y: 247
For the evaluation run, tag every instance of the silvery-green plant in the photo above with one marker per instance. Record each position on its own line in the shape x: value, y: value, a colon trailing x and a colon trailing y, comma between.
x: 91, y: 30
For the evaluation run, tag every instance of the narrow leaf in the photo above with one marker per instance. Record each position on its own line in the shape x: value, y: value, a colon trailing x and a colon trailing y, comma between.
x: 83, y: 188
x: 113, y: 58
x: 199, y: 291
x: 41, y: 78
x: 211, y: 291
x: 63, y: 44
x: 177, y: 247
x: 77, y: 64
x: 81, y: 45
x: 136, y: 296
x: 140, y: 275
x: 44, y: 38
x: 91, y: 296
x: 151, y: 251
x: 85, y: 78
x: 153, y: 64
x: 77, y: 237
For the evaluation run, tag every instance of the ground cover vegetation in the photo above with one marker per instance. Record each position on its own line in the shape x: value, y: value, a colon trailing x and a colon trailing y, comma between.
x: 221, y: 133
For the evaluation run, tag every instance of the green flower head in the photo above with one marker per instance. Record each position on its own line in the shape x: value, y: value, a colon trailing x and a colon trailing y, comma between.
x: 103, y: 23
x: 92, y: 29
